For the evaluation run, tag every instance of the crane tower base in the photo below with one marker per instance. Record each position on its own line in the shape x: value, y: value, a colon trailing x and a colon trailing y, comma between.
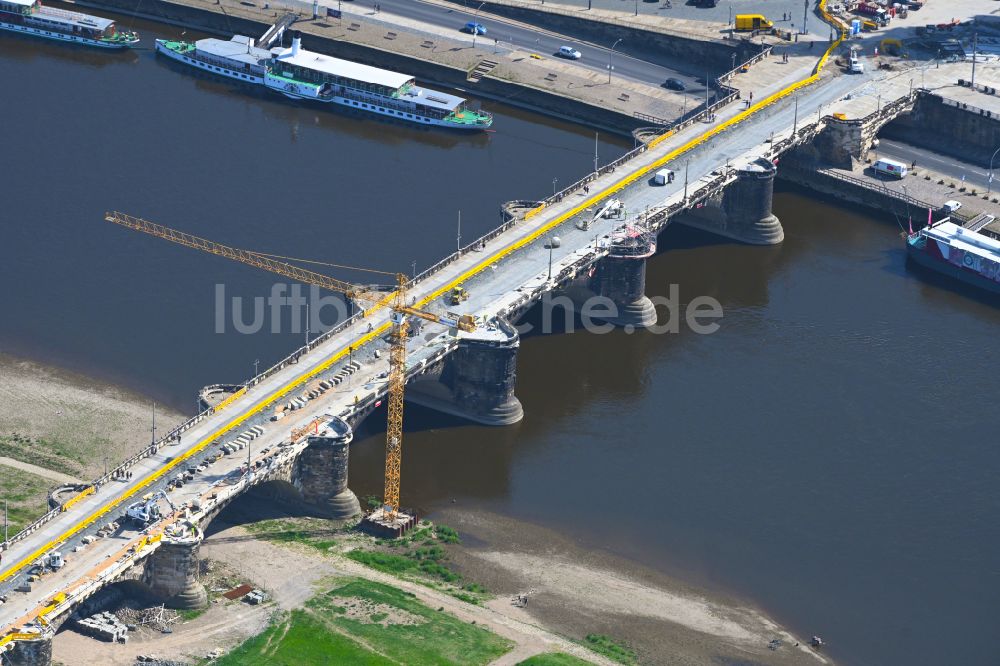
x: 378, y: 523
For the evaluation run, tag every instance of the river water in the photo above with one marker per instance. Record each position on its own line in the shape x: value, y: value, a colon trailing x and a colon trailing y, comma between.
x: 830, y: 453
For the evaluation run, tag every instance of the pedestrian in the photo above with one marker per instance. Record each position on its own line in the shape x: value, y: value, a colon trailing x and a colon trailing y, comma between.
x: 586, y: 189
x: 751, y: 96
x: 811, y: 45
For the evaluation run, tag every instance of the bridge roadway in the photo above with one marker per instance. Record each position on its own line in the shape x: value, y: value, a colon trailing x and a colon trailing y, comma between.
x: 502, y: 274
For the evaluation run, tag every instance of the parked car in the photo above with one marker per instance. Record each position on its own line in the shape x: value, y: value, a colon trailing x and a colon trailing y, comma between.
x: 474, y: 28
x: 675, y: 84
x: 569, y: 52
x: 951, y: 206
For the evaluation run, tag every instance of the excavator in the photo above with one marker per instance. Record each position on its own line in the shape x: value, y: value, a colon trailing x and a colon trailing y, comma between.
x: 147, y: 510
x: 369, y: 299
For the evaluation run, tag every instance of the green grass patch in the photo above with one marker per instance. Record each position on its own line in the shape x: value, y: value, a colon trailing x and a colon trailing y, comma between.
x: 302, y: 639
x: 325, y: 633
x: 439, y: 639
x: 313, y: 532
x: 617, y: 651
x: 385, y: 562
x: 189, y: 614
x: 553, y: 659
x: 426, y: 560
x: 27, y: 497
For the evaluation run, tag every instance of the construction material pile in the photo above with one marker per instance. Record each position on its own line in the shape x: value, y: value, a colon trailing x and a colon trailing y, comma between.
x: 103, y: 626
x: 157, y: 618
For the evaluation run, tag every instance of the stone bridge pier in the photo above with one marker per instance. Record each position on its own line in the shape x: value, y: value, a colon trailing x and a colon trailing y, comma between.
x: 621, y: 277
x: 320, y: 473
x: 742, y: 211
x: 171, y: 573
x: 477, y: 380
x: 619, y: 280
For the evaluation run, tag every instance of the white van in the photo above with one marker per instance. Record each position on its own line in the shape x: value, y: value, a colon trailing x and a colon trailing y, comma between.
x: 663, y: 176
x: 891, y: 168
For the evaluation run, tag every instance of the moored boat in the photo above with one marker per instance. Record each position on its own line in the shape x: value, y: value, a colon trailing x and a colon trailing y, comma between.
x: 300, y: 74
x: 968, y: 253
x: 237, y: 58
x: 30, y: 17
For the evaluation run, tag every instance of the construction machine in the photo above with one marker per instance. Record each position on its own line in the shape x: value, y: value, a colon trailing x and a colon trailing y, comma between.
x: 147, y: 510
x: 369, y: 299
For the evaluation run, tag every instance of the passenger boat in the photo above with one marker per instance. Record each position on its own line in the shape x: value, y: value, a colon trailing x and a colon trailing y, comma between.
x: 237, y: 58
x: 300, y: 74
x: 969, y: 253
x: 30, y: 17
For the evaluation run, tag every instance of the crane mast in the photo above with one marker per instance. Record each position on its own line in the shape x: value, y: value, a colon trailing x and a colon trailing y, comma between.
x: 394, y: 421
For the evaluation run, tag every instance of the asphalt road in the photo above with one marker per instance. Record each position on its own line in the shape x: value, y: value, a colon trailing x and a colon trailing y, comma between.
x: 948, y: 166
x: 541, y: 42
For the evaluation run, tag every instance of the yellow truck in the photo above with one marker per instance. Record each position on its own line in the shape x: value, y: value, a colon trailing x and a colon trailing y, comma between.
x: 747, y: 22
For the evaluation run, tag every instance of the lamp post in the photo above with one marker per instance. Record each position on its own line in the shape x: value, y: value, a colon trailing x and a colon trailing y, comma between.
x: 611, y: 56
x: 989, y: 178
x: 475, y: 24
x: 554, y: 181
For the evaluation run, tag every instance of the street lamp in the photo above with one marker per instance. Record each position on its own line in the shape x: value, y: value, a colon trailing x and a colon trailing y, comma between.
x: 989, y: 178
x: 611, y: 55
x: 554, y: 181
x: 475, y: 23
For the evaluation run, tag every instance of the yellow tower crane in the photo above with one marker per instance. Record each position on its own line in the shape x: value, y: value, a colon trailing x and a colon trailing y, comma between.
x: 370, y: 300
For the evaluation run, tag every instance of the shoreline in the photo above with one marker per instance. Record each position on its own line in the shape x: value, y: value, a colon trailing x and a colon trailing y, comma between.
x: 576, y: 589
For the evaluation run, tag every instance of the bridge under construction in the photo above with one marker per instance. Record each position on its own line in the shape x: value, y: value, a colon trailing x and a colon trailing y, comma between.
x: 291, y: 425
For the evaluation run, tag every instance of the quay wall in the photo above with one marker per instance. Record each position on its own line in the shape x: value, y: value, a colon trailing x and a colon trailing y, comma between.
x: 948, y: 127
x: 433, y: 73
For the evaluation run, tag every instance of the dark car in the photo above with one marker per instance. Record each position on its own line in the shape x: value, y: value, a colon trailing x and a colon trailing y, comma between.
x: 474, y: 28
x: 674, y: 84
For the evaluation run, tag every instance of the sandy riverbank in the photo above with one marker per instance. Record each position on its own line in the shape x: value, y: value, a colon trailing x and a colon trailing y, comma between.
x: 575, y: 591
x: 68, y: 423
